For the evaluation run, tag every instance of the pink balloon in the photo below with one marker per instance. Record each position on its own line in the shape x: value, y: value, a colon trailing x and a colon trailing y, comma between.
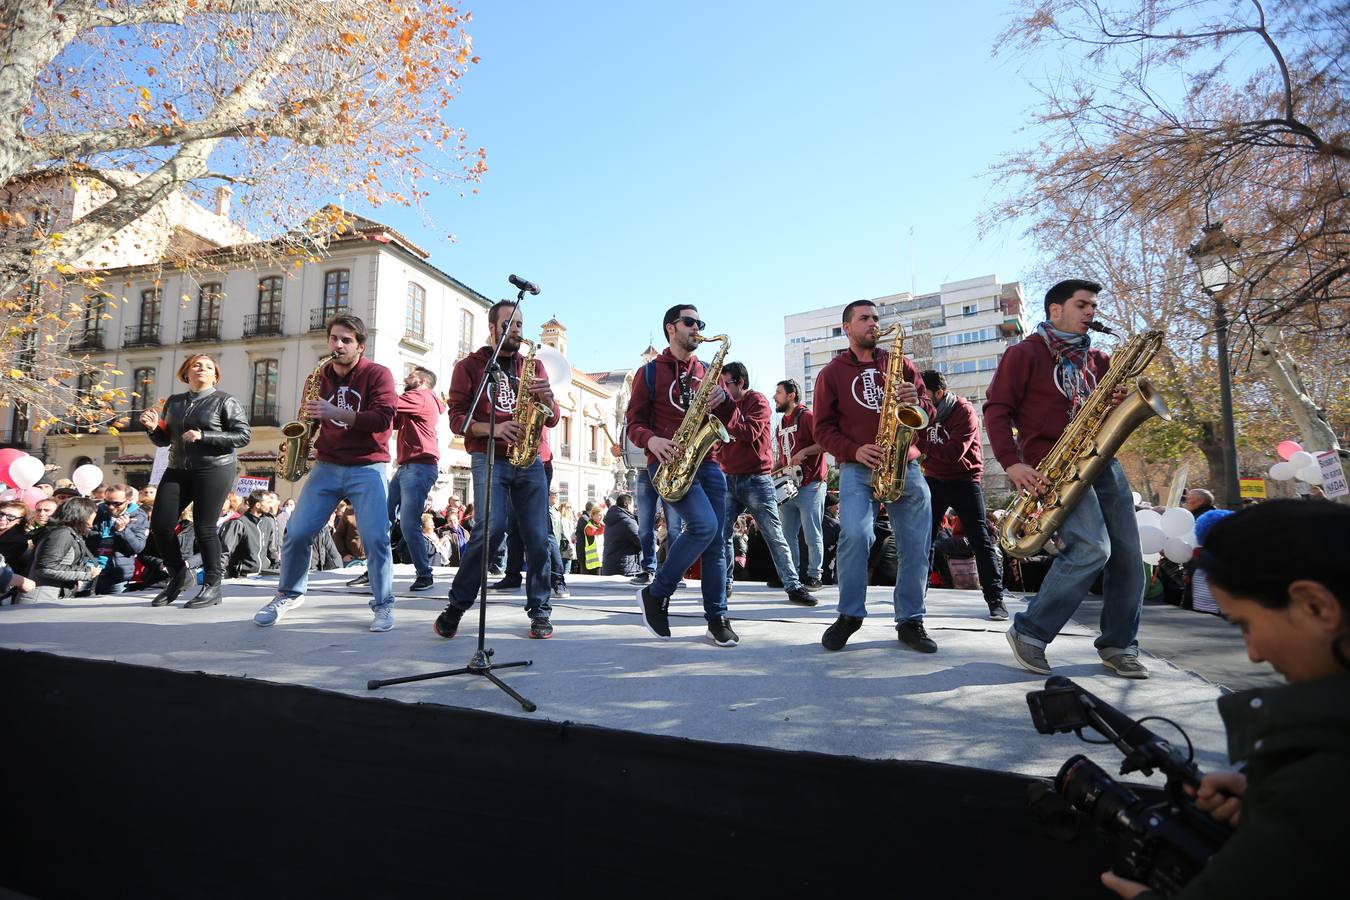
x: 7, y: 456
x: 32, y: 496
x: 1287, y: 449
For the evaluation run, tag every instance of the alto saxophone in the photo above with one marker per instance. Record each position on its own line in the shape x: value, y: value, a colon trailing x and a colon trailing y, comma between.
x: 529, y: 415
x: 897, y: 425
x: 298, y: 436
x: 697, y: 433
x: 1085, y: 448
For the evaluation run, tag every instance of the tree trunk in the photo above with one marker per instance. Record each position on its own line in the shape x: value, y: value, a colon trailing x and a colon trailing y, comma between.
x: 1211, y: 445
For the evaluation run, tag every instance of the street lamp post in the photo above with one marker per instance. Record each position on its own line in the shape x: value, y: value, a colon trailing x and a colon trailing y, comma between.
x: 1210, y: 255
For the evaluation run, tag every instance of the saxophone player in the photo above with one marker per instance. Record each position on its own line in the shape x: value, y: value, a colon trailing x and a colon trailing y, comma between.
x: 355, y: 409
x: 849, y: 395
x: 519, y: 492
x: 1038, y: 387
x: 654, y: 416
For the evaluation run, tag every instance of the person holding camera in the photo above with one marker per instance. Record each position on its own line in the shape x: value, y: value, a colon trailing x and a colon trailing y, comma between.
x: 1279, y: 571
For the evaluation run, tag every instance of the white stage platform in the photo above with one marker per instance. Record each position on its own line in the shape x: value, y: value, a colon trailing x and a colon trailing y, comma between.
x: 964, y: 705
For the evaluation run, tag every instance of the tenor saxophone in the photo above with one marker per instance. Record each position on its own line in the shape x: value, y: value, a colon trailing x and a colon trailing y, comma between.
x: 1085, y: 448
x: 897, y: 425
x: 529, y: 414
x: 697, y: 434
x: 298, y: 436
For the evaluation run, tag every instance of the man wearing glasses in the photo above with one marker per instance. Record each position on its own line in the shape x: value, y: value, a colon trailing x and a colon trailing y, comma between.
x: 653, y: 418
x: 117, y: 536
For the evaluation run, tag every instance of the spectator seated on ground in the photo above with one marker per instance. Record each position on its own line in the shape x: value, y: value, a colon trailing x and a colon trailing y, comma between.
x: 62, y: 561
x: 118, y: 535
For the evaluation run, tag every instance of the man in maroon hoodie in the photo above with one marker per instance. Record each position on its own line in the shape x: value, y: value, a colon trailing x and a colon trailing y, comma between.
x: 356, y: 412
x: 653, y: 418
x: 415, y: 418
x: 519, y: 493
x: 952, y: 466
x: 797, y: 448
x: 1038, y: 387
x: 746, y: 462
x: 849, y: 394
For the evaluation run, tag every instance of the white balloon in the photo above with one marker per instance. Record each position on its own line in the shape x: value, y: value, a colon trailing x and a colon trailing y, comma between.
x: 1151, y: 539
x: 1178, y: 550
x: 1282, y: 471
x: 1311, y: 474
x: 1177, y: 522
x: 7, y: 494
x: 1152, y: 558
x: 26, y: 471
x: 87, y: 477
x: 1148, y: 517
x: 1301, y: 460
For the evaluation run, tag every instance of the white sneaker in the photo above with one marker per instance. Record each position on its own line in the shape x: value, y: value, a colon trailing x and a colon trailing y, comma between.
x: 384, y: 618
x: 273, y: 611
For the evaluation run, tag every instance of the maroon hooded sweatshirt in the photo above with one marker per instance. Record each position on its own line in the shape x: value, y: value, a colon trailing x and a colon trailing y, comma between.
x: 795, y: 431
x: 848, y: 402
x: 660, y: 413
x: 462, y: 383
x: 951, y: 447
x: 751, y: 449
x: 1025, y: 394
x: 415, y: 417
x: 369, y: 389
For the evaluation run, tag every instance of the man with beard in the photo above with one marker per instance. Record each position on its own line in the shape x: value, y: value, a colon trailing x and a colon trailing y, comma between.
x: 804, y: 513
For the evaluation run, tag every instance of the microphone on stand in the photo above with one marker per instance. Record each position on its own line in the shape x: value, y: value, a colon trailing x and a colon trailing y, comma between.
x: 524, y: 285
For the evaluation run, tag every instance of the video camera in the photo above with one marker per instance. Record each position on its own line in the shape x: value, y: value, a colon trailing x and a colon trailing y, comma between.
x: 1162, y: 845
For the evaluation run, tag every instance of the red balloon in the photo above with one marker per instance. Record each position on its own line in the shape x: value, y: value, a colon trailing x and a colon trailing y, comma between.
x: 1287, y: 449
x: 7, y: 456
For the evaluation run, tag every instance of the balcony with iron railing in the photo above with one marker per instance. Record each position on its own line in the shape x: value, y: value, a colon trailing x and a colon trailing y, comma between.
x: 260, y: 324
x: 318, y: 318
x: 416, y: 339
x: 144, y: 335
x: 91, y: 339
x: 199, y: 330
x: 264, y: 414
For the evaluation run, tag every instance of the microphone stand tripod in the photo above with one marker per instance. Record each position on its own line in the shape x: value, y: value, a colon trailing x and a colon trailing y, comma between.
x: 481, y: 664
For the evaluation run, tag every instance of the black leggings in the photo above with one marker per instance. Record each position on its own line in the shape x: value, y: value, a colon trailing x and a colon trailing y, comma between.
x: 206, y: 490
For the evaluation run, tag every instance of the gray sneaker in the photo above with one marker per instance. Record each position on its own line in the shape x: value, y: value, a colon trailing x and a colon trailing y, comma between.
x: 1126, y: 665
x: 1028, y: 656
x: 278, y: 607
x: 384, y: 618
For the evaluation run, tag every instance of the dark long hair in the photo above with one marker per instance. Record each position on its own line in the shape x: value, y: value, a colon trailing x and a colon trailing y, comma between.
x: 1257, y: 553
x: 74, y: 514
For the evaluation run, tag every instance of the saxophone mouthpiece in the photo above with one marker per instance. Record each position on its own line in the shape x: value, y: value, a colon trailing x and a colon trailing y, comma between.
x: 1098, y: 326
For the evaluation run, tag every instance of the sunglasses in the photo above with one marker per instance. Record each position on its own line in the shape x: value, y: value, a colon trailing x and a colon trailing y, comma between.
x: 115, y: 502
x: 7, y: 515
x: 691, y: 322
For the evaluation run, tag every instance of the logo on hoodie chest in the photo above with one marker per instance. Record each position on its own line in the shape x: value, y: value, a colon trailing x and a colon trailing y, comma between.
x: 345, y: 398
x: 869, y: 388
x: 506, y: 396
x: 674, y: 393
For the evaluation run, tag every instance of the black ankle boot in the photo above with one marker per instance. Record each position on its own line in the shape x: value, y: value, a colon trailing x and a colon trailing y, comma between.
x: 177, y: 584
x: 209, y: 596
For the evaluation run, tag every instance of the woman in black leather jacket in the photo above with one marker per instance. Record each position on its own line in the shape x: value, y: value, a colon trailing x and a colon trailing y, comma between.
x: 202, y: 427
x: 61, y: 559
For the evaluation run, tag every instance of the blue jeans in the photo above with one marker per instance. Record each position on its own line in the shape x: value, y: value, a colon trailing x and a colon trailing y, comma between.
x: 805, y: 512
x: 407, y: 498
x: 755, y: 493
x: 910, y: 526
x: 1100, y: 535
x: 522, y: 491
x: 646, y: 514
x: 702, y: 511
x: 366, y: 488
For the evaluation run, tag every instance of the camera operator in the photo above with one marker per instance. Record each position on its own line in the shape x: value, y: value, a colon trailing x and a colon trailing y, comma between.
x: 1279, y: 571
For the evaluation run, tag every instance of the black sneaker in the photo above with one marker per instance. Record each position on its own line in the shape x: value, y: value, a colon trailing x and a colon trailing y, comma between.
x: 447, y: 623
x: 997, y: 611
x: 837, y: 635
x: 812, y: 584
x: 774, y: 582
x: 541, y: 628
x: 801, y: 595
x: 655, y: 613
x: 360, y: 580
x: 422, y: 583
x: 505, y: 586
x: 641, y: 579
x: 720, y: 633
x: 731, y: 586
x: 913, y: 636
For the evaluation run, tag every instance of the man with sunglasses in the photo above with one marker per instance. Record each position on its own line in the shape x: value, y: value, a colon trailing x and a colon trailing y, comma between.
x: 118, y: 534
x: 653, y: 418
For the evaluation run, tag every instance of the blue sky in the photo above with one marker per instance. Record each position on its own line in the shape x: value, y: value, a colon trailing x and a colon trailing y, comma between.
x: 754, y: 158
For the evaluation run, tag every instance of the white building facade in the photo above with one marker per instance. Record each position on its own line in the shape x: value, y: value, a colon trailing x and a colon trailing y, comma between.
x: 961, y: 330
